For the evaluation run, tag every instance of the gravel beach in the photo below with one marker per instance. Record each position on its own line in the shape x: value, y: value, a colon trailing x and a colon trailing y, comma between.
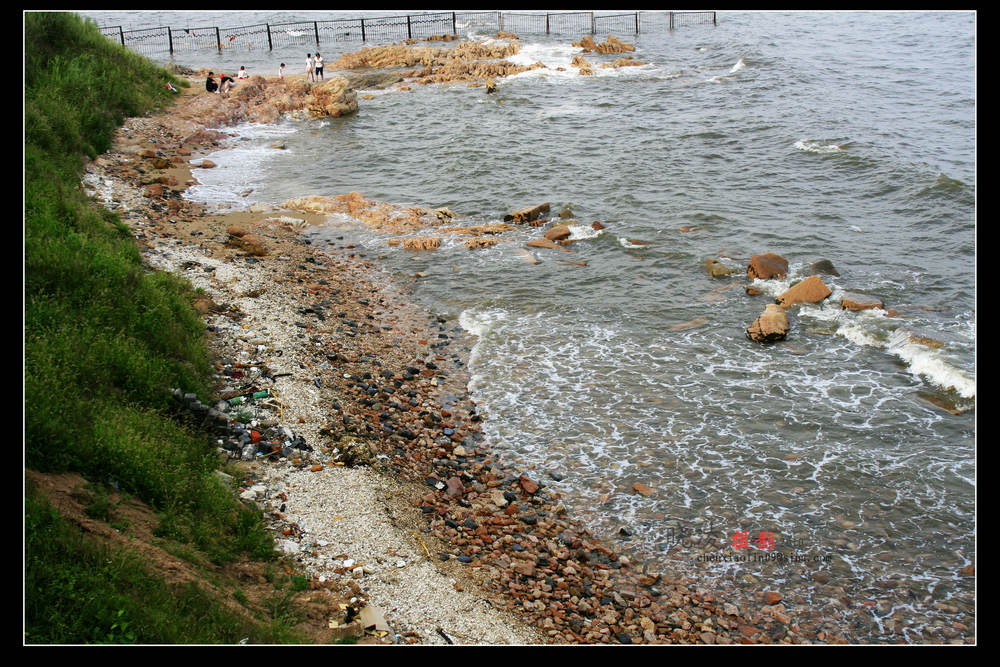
x: 348, y: 406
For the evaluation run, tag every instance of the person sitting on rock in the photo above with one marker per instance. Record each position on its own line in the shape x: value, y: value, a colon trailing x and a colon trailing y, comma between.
x: 210, y: 84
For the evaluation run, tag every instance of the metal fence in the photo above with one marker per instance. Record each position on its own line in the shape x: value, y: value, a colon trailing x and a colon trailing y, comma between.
x: 275, y: 37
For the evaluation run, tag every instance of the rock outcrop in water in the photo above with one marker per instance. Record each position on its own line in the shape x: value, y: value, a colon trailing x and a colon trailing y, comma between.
x: 468, y: 61
x: 527, y: 214
x: 767, y: 266
x: 771, y: 326
x: 612, y: 45
x: 810, y: 290
x: 259, y: 100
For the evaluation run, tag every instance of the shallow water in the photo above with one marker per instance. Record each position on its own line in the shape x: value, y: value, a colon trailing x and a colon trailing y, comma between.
x: 840, y: 136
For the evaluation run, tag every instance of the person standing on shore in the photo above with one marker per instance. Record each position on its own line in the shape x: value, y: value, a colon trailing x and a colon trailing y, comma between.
x: 319, y: 67
x: 281, y: 72
x: 310, y: 67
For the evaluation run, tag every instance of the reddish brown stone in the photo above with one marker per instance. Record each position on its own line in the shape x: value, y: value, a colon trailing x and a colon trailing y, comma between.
x: 529, y: 485
x: 643, y: 489
x: 810, y: 290
x: 771, y: 326
x: 767, y: 266
x: 558, y: 233
x: 528, y: 214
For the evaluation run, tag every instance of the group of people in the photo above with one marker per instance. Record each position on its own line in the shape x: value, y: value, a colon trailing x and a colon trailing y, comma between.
x: 314, y: 67
x: 314, y: 70
x: 225, y: 81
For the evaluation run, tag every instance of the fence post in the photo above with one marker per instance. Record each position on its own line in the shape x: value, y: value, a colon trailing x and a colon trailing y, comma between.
x: 637, y: 23
x: 121, y: 33
x: 362, y: 30
x: 409, y: 29
x: 270, y: 46
x: 713, y: 19
x: 170, y: 40
x: 547, y: 24
x: 316, y: 31
x: 218, y: 38
x: 453, y: 30
x: 593, y: 25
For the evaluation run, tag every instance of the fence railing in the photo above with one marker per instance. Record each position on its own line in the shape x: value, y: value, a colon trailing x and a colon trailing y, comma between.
x: 273, y: 37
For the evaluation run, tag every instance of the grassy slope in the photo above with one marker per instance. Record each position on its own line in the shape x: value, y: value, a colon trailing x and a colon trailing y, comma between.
x: 103, y: 340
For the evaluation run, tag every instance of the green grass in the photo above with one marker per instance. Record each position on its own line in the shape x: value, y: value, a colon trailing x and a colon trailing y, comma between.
x: 79, y: 592
x: 104, y: 339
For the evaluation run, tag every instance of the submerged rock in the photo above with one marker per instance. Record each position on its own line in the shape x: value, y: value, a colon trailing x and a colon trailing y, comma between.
x: 852, y: 301
x: 690, y: 324
x: 823, y: 266
x: 717, y: 269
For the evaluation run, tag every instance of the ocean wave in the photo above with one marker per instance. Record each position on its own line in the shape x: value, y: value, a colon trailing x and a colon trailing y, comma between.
x: 930, y: 364
x: 738, y: 67
x: 821, y: 146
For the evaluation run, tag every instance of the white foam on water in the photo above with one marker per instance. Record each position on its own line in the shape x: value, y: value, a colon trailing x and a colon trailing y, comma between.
x: 735, y: 69
x: 921, y: 360
x: 582, y: 232
x: 774, y: 288
x: 930, y: 364
x: 240, y: 168
x: 550, y: 55
x: 479, y: 323
x: 558, y: 61
x: 818, y: 146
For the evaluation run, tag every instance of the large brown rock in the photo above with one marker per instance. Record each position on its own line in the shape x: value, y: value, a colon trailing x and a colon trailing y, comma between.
x: 612, y: 45
x: 771, y: 326
x: 334, y: 97
x: 810, y: 290
x: 248, y: 243
x: 767, y: 266
x: 558, y: 233
x: 528, y: 214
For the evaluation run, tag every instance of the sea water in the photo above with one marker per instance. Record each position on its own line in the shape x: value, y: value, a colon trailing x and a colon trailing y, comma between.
x: 844, y: 136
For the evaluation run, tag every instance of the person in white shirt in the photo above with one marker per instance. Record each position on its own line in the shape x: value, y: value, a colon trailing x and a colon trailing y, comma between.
x: 281, y: 72
x: 319, y: 67
x: 310, y: 67
x: 242, y: 74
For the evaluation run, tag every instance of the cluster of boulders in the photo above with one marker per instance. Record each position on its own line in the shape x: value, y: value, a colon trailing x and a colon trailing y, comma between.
x: 261, y: 100
x: 773, y: 324
x: 475, y: 62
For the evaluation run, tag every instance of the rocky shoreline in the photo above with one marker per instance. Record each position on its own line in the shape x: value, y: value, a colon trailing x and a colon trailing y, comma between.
x: 349, y: 409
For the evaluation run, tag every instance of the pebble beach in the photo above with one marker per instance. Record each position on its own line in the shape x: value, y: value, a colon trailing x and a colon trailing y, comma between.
x: 349, y: 409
